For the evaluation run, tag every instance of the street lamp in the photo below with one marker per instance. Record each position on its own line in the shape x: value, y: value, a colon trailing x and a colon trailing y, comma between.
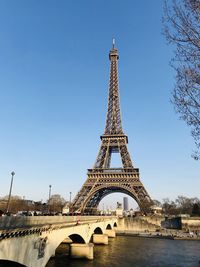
x: 70, y: 197
x: 9, y: 196
x: 49, y: 196
x: 70, y: 201
x: 50, y: 191
x: 23, y: 203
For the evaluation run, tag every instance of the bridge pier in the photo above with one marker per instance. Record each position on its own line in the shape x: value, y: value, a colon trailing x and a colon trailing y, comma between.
x: 110, y: 233
x: 80, y: 251
x: 100, y: 239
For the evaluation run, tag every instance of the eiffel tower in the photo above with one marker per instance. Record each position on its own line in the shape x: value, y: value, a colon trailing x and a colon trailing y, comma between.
x: 103, y: 180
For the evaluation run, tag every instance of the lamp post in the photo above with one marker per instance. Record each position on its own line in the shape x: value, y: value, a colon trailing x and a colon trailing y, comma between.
x: 49, y: 196
x: 23, y: 203
x: 10, y: 191
x: 70, y: 197
x: 70, y: 200
x: 50, y: 191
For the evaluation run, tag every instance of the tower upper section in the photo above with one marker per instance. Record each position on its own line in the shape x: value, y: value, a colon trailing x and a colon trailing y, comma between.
x: 113, y: 120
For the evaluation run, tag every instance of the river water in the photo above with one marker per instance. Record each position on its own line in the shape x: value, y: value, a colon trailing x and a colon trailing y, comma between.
x: 137, y: 252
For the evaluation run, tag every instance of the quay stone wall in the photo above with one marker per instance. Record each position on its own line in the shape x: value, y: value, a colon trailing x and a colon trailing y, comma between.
x: 154, y: 219
x: 191, y: 224
x: 136, y: 224
x: 182, y: 223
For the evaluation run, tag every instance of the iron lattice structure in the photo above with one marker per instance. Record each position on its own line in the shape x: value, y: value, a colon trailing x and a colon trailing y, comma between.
x: 102, y: 179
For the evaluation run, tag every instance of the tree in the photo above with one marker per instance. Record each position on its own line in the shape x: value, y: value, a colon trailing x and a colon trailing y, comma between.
x: 157, y: 203
x: 182, y: 29
x: 184, y: 204
x: 181, y: 205
x: 169, y: 207
x: 196, y: 209
x: 56, y: 203
x: 15, y: 203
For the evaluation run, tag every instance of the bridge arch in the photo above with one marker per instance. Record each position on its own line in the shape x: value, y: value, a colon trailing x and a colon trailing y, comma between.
x: 7, y: 263
x: 108, y: 227
x: 115, y: 224
x: 98, y: 230
x: 77, y: 238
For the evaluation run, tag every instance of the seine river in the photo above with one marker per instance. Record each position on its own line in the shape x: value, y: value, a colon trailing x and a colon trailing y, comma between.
x: 138, y: 252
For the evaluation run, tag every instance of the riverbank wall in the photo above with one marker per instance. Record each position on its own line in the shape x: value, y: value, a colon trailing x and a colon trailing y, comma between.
x: 189, y: 224
x: 152, y: 227
x: 139, y: 224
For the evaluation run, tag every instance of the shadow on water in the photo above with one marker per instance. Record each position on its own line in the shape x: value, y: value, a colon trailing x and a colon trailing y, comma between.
x: 135, y: 252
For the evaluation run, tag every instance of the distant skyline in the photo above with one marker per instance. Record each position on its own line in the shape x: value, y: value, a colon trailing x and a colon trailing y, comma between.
x: 54, y: 75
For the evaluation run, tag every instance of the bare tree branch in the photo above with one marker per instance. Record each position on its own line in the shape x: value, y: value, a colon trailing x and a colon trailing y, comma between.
x: 181, y: 22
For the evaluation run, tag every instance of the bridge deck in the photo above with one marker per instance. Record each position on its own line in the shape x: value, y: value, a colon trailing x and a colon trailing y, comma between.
x: 24, y: 222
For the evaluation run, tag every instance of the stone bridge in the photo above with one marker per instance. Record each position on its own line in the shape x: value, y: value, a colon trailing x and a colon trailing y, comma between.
x: 31, y: 241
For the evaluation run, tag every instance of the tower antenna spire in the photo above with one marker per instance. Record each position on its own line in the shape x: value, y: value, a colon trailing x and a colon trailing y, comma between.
x: 113, y: 42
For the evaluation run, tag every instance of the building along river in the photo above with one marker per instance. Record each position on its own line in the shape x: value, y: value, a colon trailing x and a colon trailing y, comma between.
x: 127, y: 251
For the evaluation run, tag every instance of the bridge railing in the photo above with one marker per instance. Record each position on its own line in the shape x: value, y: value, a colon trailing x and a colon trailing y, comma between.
x: 13, y: 222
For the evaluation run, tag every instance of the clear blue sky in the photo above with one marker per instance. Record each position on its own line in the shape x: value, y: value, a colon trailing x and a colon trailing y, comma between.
x: 54, y: 73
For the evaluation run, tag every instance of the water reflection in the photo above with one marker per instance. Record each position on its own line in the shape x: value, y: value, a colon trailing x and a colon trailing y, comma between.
x: 137, y: 252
